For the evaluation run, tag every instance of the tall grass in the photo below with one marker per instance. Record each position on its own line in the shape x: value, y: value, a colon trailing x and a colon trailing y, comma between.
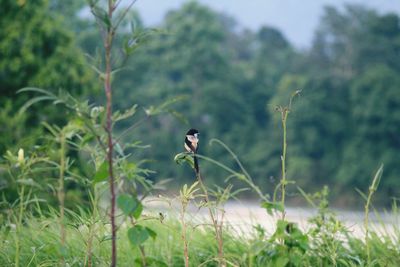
x: 39, y: 239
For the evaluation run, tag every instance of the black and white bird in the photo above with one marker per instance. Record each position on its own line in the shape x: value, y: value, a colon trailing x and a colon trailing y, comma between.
x: 192, y: 145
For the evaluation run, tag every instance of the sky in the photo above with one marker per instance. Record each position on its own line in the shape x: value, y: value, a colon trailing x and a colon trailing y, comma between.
x: 296, y: 19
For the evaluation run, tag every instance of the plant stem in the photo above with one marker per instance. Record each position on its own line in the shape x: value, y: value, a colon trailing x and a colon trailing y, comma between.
x: 92, y: 228
x: 372, y: 189
x: 184, y: 237
x: 108, y: 91
x: 19, y: 222
x: 88, y: 256
x: 366, y: 220
x: 285, y: 113
x: 143, y: 255
x: 61, y: 193
x: 217, y: 228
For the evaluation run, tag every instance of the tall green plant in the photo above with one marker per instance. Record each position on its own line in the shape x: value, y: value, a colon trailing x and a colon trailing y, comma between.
x: 214, y: 200
x: 185, y: 196
x: 284, y: 111
x: 21, y: 169
x: 371, y: 190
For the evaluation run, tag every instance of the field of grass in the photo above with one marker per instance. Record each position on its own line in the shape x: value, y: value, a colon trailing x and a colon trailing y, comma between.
x: 325, y: 243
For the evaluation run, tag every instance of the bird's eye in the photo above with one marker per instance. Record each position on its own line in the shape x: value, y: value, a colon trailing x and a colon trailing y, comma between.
x: 196, y: 135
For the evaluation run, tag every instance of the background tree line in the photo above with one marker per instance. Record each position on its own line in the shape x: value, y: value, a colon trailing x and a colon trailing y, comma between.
x: 345, y: 123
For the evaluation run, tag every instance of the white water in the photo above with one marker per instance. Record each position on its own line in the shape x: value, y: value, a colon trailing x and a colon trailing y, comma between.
x: 241, y: 217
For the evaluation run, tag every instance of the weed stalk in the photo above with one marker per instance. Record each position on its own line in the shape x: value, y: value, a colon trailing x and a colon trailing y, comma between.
x: 21, y: 197
x: 184, y: 234
x: 284, y: 114
x: 372, y: 189
x: 61, y: 193
x: 217, y: 227
x: 284, y: 110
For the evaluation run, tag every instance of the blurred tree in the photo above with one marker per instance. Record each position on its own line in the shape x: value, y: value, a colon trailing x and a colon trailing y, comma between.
x: 356, y: 49
x: 36, y: 51
x: 348, y: 42
x: 375, y: 139
x: 342, y: 126
x: 191, y: 58
x: 273, y: 59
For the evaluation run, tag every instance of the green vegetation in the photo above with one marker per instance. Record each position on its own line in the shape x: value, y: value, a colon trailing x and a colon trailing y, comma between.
x: 77, y: 183
x: 344, y: 124
x: 325, y: 243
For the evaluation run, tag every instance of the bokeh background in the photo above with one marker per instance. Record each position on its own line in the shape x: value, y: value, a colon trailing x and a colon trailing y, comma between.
x: 235, y: 61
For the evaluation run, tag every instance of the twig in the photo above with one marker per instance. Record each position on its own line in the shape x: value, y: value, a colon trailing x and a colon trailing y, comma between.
x: 123, y: 15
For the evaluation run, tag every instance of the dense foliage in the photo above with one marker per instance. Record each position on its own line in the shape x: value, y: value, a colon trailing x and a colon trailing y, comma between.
x: 77, y: 186
x: 343, y: 126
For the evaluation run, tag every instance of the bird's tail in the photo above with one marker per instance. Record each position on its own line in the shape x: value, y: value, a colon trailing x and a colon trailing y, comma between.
x: 196, y: 164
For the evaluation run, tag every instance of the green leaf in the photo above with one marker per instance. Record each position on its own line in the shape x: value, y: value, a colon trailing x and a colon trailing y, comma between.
x: 28, y: 182
x: 377, y: 179
x: 272, y: 206
x: 138, y: 211
x: 102, y: 173
x: 137, y: 235
x: 164, y: 107
x: 117, y: 116
x: 88, y: 137
x: 151, y: 233
x: 281, y: 261
x: 184, y: 157
x: 106, y: 238
x: 102, y: 15
x: 362, y: 194
x: 119, y: 149
x: 129, y: 205
x: 33, y: 101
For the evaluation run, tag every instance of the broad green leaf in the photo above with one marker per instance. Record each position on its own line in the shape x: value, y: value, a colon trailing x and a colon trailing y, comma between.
x: 281, y: 261
x: 151, y: 233
x: 102, y: 173
x: 129, y: 205
x: 138, y: 211
x: 137, y: 235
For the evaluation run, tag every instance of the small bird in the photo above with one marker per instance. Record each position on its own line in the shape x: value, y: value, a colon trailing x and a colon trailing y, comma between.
x: 192, y: 145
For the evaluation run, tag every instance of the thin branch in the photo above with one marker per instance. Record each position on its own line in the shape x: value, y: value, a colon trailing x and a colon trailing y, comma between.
x: 123, y: 15
x: 117, y: 4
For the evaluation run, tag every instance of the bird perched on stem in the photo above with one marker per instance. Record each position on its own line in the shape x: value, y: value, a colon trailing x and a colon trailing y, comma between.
x: 192, y: 145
